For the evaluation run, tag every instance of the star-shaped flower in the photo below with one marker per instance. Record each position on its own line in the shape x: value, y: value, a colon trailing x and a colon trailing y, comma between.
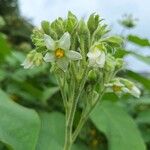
x: 59, y: 51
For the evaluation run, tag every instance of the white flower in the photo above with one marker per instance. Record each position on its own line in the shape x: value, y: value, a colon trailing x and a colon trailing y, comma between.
x: 135, y: 91
x: 121, y: 85
x: 132, y: 89
x: 116, y: 86
x: 59, y: 51
x: 27, y: 64
x: 33, y: 59
x: 96, y: 57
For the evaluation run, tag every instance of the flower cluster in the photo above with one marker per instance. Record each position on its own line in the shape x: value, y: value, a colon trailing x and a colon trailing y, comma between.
x: 74, y: 46
x: 84, y: 60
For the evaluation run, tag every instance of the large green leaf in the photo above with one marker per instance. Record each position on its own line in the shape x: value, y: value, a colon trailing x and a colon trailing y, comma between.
x: 139, y: 41
x: 118, y: 126
x: 53, y: 132
x: 144, y: 117
x: 143, y: 120
x: 19, y: 126
x: 49, y: 92
x: 4, y: 47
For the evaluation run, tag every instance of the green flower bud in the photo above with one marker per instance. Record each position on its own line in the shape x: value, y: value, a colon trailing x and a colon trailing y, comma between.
x: 84, y: 37
x: 110, y: 63
x: 31, y: 54
x: 92, y: 76
x: 71, y: 22
x: 38, y: 38
x: 119, y: 63
x: 38, y: 59
x: 45, y: 26
x: 58, y: 27
x: 100, y: 31
x: 93, y: 22
x: 33, y: 59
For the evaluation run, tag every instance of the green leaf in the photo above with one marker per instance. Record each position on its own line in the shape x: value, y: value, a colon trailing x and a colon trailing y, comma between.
x: 143, y: 101
x: 52, y: 132
x: 4, y: 47
x: 100, y: 32
x: 71, y: 22
x: 19, y: 126
x: 113, y: 41
x: 143, y: 117
x: 93, y: 22
x: 139, y: 41
x: 120, y: 53
x: 49, y: 92
x: 118, y: 126
x: 145, y: 59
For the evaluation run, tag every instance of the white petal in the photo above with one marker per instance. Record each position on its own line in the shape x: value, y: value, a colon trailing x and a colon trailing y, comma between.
x: 94, y: 54
x: 49, y: 57
x: 125, y: 90
x: 62, y: 63
x: 27, y: 64
x: 135, y: 92
x: 108, y: 85
x: 118, y: 83
x: 64, y: 41
x: 73, y: 55
x: 49, y: 42
x: 101, y: 60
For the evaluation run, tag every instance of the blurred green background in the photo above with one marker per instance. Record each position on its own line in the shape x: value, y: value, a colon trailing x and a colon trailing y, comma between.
x: 31, y: 109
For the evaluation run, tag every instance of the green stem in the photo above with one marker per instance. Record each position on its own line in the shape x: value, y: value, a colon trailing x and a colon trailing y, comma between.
x: 85, y: 116
x: 72, y: 110
x: 68, y: 136
x: 64, y: 97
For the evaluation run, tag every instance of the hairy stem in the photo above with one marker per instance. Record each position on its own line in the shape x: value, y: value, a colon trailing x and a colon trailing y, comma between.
x: 70, y: 119
x: 85, y: 116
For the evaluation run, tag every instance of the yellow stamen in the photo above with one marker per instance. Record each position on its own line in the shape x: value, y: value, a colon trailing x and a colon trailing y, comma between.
x: 59, y: 53
x: 116, y: 88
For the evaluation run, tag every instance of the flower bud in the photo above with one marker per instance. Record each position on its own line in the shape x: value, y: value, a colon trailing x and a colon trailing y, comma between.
x: 119, y: 63
x: 38, y: 59
x: 110, y: 63
x: 92, y: 76
x: 45, y: 26
x: 33, y: 59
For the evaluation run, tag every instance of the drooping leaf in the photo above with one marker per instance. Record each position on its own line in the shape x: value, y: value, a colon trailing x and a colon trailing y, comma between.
x: 139, y: 41
x: 19, y: 126
x: 145, y: 59
x: 120, y: 53
x: 118, y: 126
x: 52, y: 132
